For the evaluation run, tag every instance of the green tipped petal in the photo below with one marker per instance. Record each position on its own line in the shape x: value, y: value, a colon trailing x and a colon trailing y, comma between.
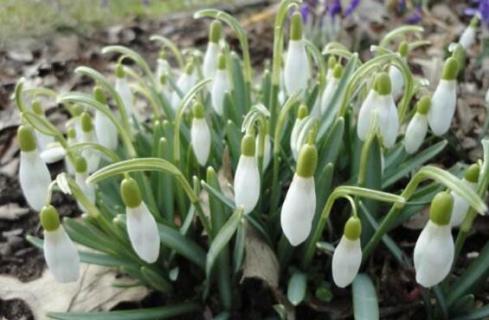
x: 296, y: 26
x: 471, y: 174
x: 450, y: 69
x: 441, y: 208
x: 383, y: 84
x: 248, y: 146
x: 86, y: 122
x: 49, y: 217
x: 307, y: 161
x: 353, y: 228
x: 26, y: 138
x: 215, y: 31
x: 424, y: 104
x: 130, y: 193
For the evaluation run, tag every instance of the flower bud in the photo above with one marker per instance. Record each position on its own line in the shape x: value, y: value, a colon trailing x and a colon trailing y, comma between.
x: 209, y: 65
x: 247, y: 176
x: 124, y: 92
x: 460, y: 205
x: 130, y: 193
x: 296, y: 26
x: 331, y: 87
x: 296, y: 66
x: 105, y: 130
x: 200, y: 134
x: 467, y: 39
x: 220, y: 85
x: 347, y: 256
x: 417, y: 127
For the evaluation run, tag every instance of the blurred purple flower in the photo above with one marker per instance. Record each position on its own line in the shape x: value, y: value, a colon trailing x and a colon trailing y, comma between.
x: 351, y: 7
x: 305, y: 11
x: 482, y: 10
x: 415, y: 17
x: 334, y: 8
x: 104, y: 3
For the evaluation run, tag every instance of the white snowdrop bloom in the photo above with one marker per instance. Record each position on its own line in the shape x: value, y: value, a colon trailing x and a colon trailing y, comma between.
x: 105, y: 130
x: 43, y: 140
x: 467, y: 39
x: 200, y: 135
x: 247, y: 176
x: 163, y: 71
x: 88, y: 135
x: 299, y: 205
x: 141, y: 225
x: 220, y: 86
x: 460, y: 205
x: 434, y: 249
x: 444, y: 99
x: 347, y: 256
x: 209, y: 65
x: 185, y: 82
x: 331, y: 87
x: 123, y: 90
x: 296, y: 66
x: 60, y: 253
x: 295, y: 146
x: 397, y: 80
x: 267, y: 150
x: 365, y: 114
x: 81, y: 175
x: 34, y: 175
x: 54, y: 152
x: 417, y: 127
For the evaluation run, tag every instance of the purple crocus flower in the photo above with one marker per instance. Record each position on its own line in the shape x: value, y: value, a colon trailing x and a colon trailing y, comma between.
x: 482, y: 10
x: 351, y: 7
x: 334, y: 8
x: 415, y: 17
x: 305, y: 11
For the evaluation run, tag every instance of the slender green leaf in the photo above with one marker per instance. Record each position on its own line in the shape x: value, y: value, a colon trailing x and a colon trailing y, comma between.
x: 481, y: 313
x: 296, y: 291
x: 365, y: 302
x: 155, y: 280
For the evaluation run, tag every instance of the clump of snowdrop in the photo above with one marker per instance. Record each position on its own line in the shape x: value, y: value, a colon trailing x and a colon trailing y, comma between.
x: 434, y: 250
x: 468, y: 37
x: 200, y: 134
x: 247, y: 177
x: 444, y: 99
x: 210, y: 63
x: 60, y: 253
x: 395, y: 74
x: 34, y: 175
x: 460, y: 205
x: 418, y: 126
x: 300, y: 201
x: 347, y: 256
x: 141, y: 225
x: 220, y: 85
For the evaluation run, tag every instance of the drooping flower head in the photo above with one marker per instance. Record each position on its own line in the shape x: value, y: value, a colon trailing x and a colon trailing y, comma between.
x: 460, y: 205
x: 209, y: 65
x: 105, y: 130
x: 200, y: 134
x: 220, y: 85
x: 347, y: 256
x: 247, y: 176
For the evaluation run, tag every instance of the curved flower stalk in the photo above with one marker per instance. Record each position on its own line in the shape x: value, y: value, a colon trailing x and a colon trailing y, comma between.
x: 88, y: 135
x: 347, y: 256
x: 141, y: 225
x: 468, y: 37
x: 247, y: 176
x: 296, y: 66
x: 417, y: 127
x: 60, y: 253
x: 81, y: 175
x: 123, y: 90
x: 220, y: 85
x: 105, y: 130
x: 209, y: 66
x: 434, y: 250
x: 460, y: 205
x: 379, y: 103
x: 34, y: 175
x: 395, y: 74
x: 444, y: 99
x: 330, y: 89
x: 200, y: 134
x: 302, y: 113
x: 300, y: 201
x: 184, y: 83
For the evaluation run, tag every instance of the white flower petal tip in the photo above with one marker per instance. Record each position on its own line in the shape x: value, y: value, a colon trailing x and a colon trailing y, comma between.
x: 209, y: 65
x: 143, y: 233
x: 467, y: 39
x: 105, y: 131
x: 53, y: 153
x: 397, y: 81
x: 347, y: 259
x: 34, y: 179
x: 415, y: 133
x: 61, y: 256
x: 247, y: 183
x: 220, y: 86
x: 200, y: 135
x: 443, y: 105
x: 296, y: 68
x: 433, y: 254
x: 122, y: 88
x: 267, y: 150
x: 460, y: 205
x: 298, y: 210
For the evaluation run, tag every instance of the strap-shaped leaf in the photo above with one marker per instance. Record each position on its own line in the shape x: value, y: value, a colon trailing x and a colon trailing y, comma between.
x: 365, y: 302
x: 296, y: 291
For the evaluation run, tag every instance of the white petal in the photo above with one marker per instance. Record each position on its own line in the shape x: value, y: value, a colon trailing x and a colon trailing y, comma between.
x: 442, y: 108
x: 346, y: 262
x: 122, y: 88
x: 460, y: 205
x: 267, y: 155
x: 34, y: 179
x: 143, y: 233
x: 293, y: 138
x: 53, y: 153
x: 298, y: 210
x: 220, y: 86
x: 87, y: 189
x: 43, y: 140
x: 365, y: 114
x: 201, y: 140
x: 247, y: 183
x: 397, y: 81
x: 467, y: 39
x: 185, y: 82
x: 296, y: 68
x: 91, y: 156
x: 388, y: 120
x: 61, y: 256
x: 415, y: 133
x: 328, y: 94
x: 209, y: 66
x: 105, y: 131
x: 433, y: 254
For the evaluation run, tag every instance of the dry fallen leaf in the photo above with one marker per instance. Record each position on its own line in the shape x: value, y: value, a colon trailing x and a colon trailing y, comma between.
x: 12, y: 211
x: 94, y: 291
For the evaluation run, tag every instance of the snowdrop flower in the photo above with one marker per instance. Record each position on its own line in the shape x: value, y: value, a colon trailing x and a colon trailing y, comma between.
x: 43, y: 140
x: 59, y: 251
x: 247, y: 176
x: 300, y: 201
x: 123, y: 90
x: 330, y: 89
x: 347, y: 255
x: 296, y: 67
x: 163, y: 70
x: 434, y: 249
x: 379, y: 102
x: 141, y: 225
x: 81, y: 175
x: 267, y: 149
x: 417, y: 127
x: 444, y: 99
x: 467, y: 39
x: 460, y: 205
x: 88, y: 135
x: 209, y: 65
x: 185, y: 82
x: 105, y: 130
x: 220, y: 86
x: 200, y: 134
x: 34, y: 175
x: 316, y: 109
x: 395, y: 74
x: 302, y: 113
